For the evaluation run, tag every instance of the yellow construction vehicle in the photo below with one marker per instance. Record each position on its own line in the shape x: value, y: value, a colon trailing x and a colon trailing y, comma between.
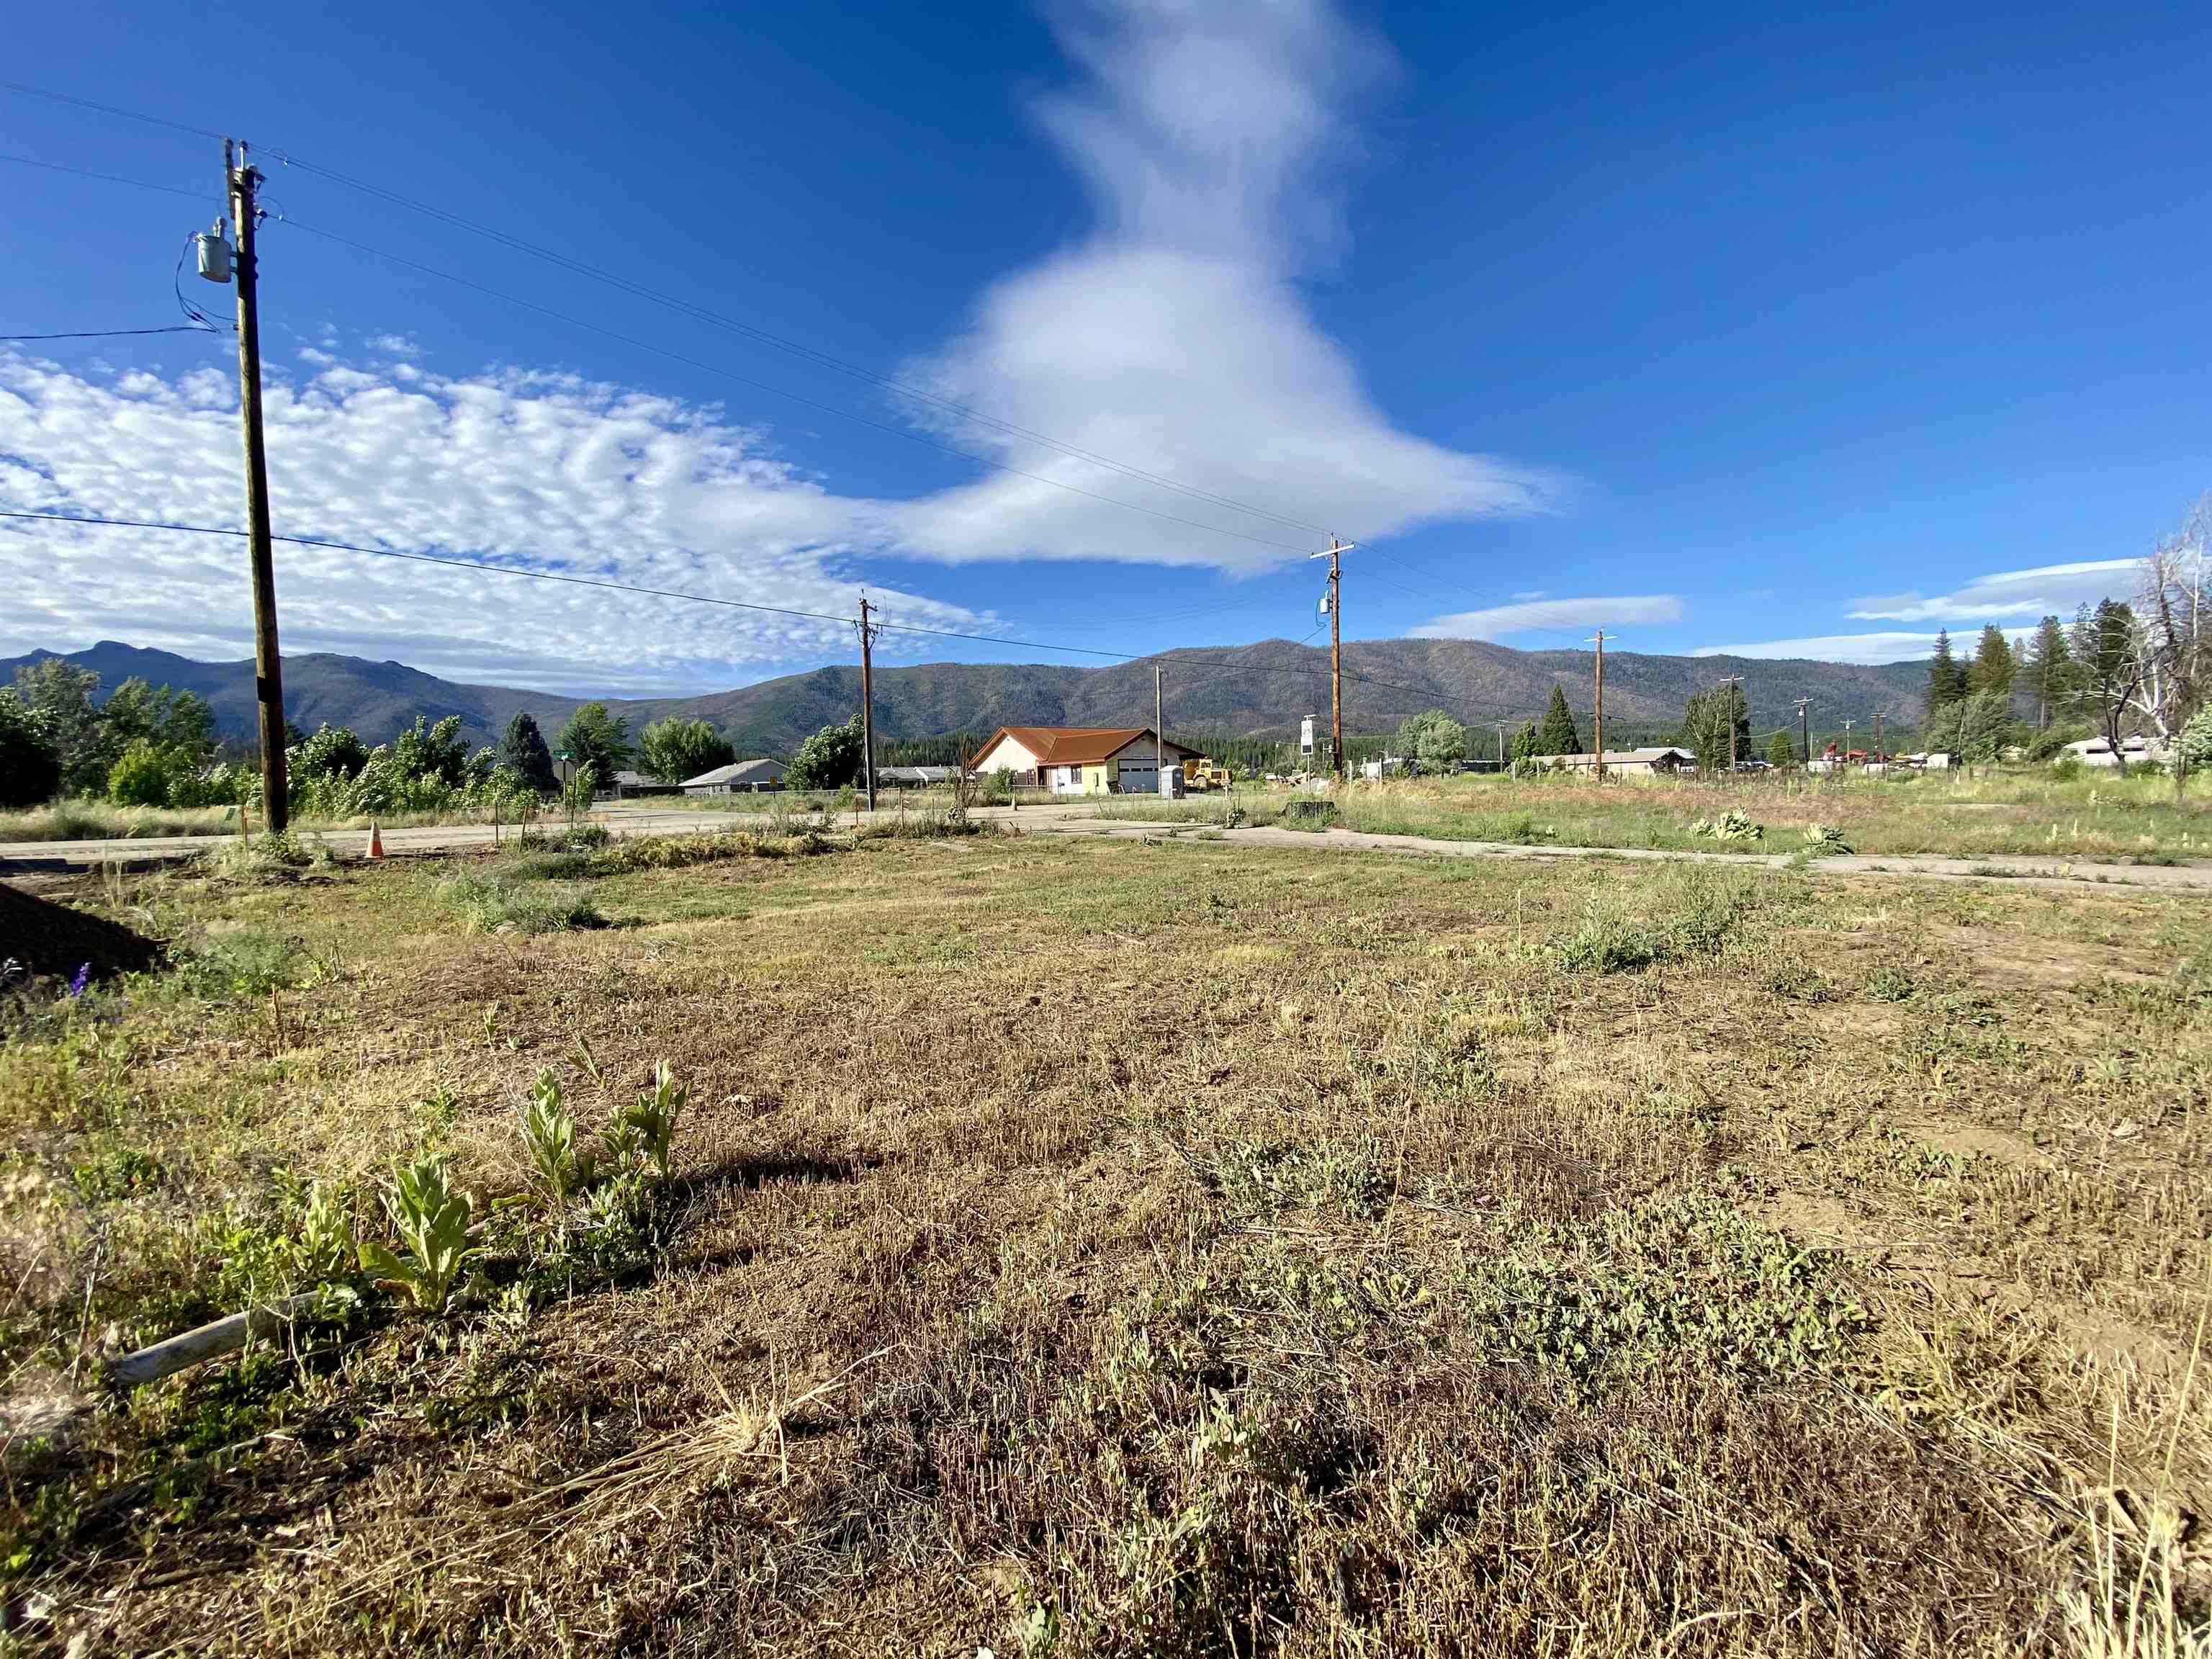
x: 1199, y: 773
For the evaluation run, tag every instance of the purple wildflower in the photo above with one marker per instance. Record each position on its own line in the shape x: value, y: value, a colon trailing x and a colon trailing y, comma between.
x: 80, y: 980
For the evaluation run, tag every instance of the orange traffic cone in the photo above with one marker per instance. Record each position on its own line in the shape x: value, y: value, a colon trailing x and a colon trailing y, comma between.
x: 375, y: 840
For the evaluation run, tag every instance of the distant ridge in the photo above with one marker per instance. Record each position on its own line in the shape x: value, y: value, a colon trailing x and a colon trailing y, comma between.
x: 1260, y: 690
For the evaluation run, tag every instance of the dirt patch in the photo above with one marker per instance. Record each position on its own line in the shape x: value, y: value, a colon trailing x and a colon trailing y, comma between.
x: 59, y: 941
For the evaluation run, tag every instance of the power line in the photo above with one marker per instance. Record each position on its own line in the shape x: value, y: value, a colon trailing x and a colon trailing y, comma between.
x: 738, y: 605
x: 713, y: 319
x: 105, y: 178
x: 112, y: 333
x: 107, y: 109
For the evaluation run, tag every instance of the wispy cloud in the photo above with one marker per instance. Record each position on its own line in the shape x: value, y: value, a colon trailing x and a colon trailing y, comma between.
x: 1214, y: 141
x: 1528, y: 616
x: 1867, y: 649
x: 2047, y: 590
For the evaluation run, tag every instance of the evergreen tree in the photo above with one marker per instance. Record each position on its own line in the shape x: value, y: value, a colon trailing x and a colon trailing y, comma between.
x: 599, y: 740
x: 1557, y: 735
x: 1993, y: 666
x: 522, y: 747
x: 2048, y: 663
x: 1781, y: 752
x: 1525, y: 742
x: 1946, y: 676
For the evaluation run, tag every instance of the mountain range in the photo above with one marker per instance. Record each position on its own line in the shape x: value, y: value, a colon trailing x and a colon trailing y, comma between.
x: 1260, y: 690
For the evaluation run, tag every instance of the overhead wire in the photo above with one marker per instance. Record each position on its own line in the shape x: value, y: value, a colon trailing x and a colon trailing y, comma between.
x: 112, y: 333
x: 705, y: 314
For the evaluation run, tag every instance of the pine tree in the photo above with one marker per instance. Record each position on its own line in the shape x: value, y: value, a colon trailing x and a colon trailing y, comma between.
x: 1946, y: 676
x: 523, y: 748
x: 1781, y: 753
x: 1557, y: 735
x: 1993, y: 665
x: 2048, y: 663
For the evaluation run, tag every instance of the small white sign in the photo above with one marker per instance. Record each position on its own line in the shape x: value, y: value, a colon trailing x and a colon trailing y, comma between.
x: 1305, y: 735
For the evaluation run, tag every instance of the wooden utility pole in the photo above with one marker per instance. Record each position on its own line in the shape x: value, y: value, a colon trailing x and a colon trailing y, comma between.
x: 1160, y: 739
x: 1501, y: 745
x: 1727, y: 701
x: 1334, y: 555
x: 242, y: 181
x: 1847, y: 741
x: 867, y: 704
x: 1599, y: 721
x: 1805, y: 731
x: 1878, y: 755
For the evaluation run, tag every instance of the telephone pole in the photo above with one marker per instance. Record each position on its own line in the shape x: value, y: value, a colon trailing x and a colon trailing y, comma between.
x: 242, y: 181
x: 1501, y: 745
x: 1847, y: 741
x: 1160, y: 739
x: 1599, y: 722
x: 1878, y: 755
x: 1336, y: 551
x: 1805, y: 731
x: 1728, y: 699
x: 867, y: 703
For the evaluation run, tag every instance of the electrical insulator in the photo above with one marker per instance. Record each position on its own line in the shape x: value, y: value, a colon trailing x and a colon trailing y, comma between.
x: 213, y: 251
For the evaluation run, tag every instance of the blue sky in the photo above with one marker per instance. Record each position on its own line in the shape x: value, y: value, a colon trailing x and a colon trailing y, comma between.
x: 1797, y: 332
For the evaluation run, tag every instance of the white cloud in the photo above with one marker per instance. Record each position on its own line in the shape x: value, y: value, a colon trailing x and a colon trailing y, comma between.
x: 1866, y: 649
x: 1526, y: 615
x: 545, y: 471
x: 1174, y: 336
x: 2046, y: 591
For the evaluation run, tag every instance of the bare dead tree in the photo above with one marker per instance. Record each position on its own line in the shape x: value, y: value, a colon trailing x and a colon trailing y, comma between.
x: 2173, y: 611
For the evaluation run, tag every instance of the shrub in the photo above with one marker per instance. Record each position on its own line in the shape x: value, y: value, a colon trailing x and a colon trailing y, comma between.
x: 1822, y: 838
x: 30, y: 757
x: 150, y: 775
x: 495, y: 904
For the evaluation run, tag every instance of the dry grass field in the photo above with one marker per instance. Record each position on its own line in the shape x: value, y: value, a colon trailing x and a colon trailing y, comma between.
x: 1074, y: 1247
x: 2024, y: 809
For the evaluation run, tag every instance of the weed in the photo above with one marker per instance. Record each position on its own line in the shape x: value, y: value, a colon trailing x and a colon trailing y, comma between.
x: 549, y: 1135
x: 1889, y: 984
x: 1606, y: 939
x: 646, y: 1130
x: 432, y: 1221
x: 498, y: 904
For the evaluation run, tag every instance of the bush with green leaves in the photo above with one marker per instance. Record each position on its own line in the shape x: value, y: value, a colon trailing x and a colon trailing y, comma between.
x: 434, y: 1222
x: 1823, y: 838
x: 830, y: 759
x: 149, y: 774
x: 674, y: 749
x: 30, y: 754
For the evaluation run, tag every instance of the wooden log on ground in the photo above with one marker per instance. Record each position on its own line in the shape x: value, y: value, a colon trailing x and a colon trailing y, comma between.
x: 208, y: 1341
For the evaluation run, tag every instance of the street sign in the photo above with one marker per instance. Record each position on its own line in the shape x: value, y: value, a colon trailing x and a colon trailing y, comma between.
x: 1305, y: 735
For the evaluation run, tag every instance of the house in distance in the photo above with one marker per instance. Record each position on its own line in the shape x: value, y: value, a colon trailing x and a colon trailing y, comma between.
x: 739, y: 778
x: 1081, y: 760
